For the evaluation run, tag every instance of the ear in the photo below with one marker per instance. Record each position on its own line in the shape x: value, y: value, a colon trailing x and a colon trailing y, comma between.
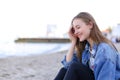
x: 90, y: 25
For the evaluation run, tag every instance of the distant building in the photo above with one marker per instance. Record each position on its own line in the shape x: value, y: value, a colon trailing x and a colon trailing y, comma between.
x: 65, y: 35
x: 116, y: 31
x: 51, y: 30
x: 107, y: 33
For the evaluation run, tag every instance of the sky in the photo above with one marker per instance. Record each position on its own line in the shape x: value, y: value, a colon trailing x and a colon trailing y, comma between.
x: 29, y: 18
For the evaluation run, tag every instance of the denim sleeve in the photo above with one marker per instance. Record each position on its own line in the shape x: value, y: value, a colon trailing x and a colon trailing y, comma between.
x: 118, y: 67
x: 67, y: 64
x: 105, y: 70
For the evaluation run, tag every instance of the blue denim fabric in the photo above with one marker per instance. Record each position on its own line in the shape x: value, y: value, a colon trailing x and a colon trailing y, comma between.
x: 106, y: 64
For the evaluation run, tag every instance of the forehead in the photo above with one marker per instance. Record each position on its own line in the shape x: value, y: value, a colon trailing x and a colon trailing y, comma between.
x: 77, y: 22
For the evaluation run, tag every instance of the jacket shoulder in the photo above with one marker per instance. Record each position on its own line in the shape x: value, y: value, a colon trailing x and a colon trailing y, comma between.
x: 107, y: 52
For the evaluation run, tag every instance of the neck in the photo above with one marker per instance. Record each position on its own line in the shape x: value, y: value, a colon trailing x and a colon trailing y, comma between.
x: 90, y: 41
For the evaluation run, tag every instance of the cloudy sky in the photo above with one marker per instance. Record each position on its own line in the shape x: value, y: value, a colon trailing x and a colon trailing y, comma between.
x: 29, y: 18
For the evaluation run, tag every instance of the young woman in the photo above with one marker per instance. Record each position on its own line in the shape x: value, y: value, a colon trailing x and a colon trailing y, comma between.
x: 91, y: 55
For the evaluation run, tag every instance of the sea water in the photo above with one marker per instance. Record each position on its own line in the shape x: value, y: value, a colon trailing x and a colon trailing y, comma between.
x: 24, y: 49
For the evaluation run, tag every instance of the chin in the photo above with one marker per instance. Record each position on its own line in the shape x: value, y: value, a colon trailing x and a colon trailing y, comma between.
x: 81, y: 40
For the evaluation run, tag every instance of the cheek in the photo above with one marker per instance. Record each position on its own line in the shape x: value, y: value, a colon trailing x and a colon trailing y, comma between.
x: 87, y: 33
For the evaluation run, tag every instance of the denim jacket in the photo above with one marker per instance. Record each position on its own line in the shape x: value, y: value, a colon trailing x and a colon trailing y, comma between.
x: 106, y: 63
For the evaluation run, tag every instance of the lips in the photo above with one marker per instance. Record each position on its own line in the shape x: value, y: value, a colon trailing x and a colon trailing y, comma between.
x: 79, y: 35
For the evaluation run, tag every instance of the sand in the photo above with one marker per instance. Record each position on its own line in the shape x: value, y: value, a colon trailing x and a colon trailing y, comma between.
x: 34, y: 67
x: 37, y: 67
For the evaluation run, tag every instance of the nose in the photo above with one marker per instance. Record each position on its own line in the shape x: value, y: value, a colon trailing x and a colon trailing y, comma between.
x: 76, y: 32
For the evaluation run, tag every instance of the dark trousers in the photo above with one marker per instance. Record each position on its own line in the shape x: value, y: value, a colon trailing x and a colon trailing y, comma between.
x: 76, y: 71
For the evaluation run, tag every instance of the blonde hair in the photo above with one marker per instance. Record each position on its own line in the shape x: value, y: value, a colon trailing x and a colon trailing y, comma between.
x: 96, y: 35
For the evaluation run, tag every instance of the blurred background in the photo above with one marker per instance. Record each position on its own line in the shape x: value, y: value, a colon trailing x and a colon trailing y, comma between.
x: 51, y: 19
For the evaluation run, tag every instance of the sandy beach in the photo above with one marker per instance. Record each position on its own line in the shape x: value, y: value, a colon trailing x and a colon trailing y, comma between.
x: 36, y: 67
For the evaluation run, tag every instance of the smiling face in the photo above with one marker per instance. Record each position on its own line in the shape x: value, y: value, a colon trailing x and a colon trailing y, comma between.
x: 81, y: 29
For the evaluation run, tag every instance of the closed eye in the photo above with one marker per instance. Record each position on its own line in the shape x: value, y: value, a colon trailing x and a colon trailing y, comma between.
x: 78, y: 27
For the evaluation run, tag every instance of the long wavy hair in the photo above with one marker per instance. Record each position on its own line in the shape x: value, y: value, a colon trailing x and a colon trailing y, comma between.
x: 95, y: 34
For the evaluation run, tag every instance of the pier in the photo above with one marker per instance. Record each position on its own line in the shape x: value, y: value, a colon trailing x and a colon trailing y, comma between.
x: 42, y: 40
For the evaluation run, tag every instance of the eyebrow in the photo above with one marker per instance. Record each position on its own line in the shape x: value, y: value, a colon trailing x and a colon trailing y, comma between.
x: 75, y: 26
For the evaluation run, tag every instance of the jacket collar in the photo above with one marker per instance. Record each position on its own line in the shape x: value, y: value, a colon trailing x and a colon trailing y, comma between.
x: 94, y: 48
